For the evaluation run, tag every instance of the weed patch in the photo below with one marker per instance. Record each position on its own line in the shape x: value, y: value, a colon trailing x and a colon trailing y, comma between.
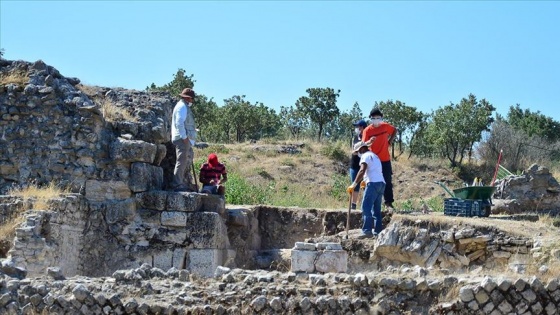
x: 112, y: 112
x: 14, y: 77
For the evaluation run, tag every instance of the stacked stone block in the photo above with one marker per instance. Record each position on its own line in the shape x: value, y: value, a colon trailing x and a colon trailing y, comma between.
x: 320, y: 257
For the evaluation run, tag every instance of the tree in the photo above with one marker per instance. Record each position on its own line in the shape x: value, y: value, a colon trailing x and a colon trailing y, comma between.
x: 341, y: 126
x: 456, y: 127
x: 534, y: 123
x: 206, y: 113
x: 176, y: 86
x: 405, y: 118
x: 293, y: 120
x: 519, y: 150
x: 2, y: 51
x: 248, y: 121
x: 319, y: 106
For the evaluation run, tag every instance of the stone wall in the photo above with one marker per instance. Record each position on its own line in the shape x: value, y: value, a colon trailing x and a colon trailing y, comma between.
x: 95, y: 238
x: 54, y: 129
x: 148, y: 290
x: 536, y: 190
x: 447, y: 247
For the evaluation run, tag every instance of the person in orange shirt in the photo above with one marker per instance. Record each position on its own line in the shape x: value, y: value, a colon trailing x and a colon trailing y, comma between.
x: 380, y: 136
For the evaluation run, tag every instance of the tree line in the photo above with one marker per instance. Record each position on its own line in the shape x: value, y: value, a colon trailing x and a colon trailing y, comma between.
x: 457, y: 132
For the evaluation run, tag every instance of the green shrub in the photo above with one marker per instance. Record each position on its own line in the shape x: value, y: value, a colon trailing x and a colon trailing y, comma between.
x: 213, y: 148
x: 338, y: 189
x: 240, y: 192
x: 335, y: 151
x: 435, y: 203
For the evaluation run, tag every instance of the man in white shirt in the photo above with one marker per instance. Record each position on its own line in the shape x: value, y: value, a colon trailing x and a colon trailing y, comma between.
x: 371, y: 173
x: 183, y: 136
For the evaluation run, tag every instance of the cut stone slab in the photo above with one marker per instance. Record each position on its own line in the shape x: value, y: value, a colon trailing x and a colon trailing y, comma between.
x: 153, y: 200
x: 303, y: 260
x: 186, y: 202
x: 144, y: 177
x: 205, y: 261
x: 104, y: 190
x: 332, y: 261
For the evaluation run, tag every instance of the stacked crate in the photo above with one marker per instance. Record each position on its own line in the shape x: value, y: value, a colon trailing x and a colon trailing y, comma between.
x: 462, y: 207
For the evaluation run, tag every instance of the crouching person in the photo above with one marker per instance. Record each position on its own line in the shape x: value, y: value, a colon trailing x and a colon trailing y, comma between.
x: 213, y: 175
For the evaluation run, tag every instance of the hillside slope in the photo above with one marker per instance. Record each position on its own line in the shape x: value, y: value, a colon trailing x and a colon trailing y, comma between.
x: 300, y: 170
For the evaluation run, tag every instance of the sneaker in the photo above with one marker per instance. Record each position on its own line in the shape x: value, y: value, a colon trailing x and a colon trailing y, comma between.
x: 389, y: 205
x: 353, y: 207
x: 364, y: 236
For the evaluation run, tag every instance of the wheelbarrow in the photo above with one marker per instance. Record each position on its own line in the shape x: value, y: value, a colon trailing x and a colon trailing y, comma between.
x: 469, y: 201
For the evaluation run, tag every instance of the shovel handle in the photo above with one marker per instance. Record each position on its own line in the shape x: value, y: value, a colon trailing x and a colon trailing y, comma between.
x: 348, y: 216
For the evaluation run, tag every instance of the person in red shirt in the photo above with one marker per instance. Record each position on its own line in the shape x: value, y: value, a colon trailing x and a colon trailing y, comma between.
x: 381, y: 135
x: 213, y: 175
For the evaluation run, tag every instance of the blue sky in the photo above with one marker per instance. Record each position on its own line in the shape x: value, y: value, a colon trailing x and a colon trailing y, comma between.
x: 425, y: 54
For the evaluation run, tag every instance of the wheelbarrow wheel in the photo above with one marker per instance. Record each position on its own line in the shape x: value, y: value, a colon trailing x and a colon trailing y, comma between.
x: 485, y: 211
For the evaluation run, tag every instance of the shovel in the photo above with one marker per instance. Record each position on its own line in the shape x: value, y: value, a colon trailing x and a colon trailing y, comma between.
x: 194, y: 175
x: 348, y: 216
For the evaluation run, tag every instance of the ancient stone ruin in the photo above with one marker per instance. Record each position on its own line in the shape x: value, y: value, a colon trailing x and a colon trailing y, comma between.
x: 120, y: 243
x: 535, y: 190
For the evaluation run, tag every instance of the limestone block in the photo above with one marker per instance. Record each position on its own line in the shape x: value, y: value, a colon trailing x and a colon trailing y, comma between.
x: 187, y: 202
x: 237, y: 217
x: 466, y: 294
x: 120, y: 211
x: 303, y: 260
x: 172, y: 236
x: 154, y: 199
x: 212, y: 203
x: 163, y: 260
x: 160, y: 154
x: 133, y: 151
x: 105, y: 190
x: 206, y: 230
x: 332, y: 261
x: 173, y: 218
x: 179, y: 257
x: 501, y: 254
x: 305, y: 246
x: 205, y: 261
x: 329, y: 246
x: 144, y: 177
x: 146, y: 259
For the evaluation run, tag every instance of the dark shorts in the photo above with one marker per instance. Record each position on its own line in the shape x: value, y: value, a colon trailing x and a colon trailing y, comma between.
x: 209, y: 189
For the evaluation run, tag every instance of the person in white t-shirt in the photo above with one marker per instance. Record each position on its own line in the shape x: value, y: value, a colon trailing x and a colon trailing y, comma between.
x: 371, y: 173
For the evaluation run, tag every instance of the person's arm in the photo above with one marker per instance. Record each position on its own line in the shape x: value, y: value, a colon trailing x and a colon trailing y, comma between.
x: 360, y: 174
x: 393, y: 136
x: 367, y: 137
x: 224, y: 178
x: 358, y: 179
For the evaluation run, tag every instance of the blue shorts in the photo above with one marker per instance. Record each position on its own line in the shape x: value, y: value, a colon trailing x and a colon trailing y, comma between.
x: 209, y: 189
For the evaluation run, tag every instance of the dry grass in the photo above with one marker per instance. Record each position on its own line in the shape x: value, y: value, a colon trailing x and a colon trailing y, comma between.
x: 33, y: 195
x: 8, y: 227
x: 39, y: 195
x: 16, y: 77
x: 112, y: 112
x: 88, y: 90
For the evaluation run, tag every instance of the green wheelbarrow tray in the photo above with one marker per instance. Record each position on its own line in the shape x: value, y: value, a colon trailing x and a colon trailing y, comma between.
x: 474, y: 192
x: 470, y: 192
